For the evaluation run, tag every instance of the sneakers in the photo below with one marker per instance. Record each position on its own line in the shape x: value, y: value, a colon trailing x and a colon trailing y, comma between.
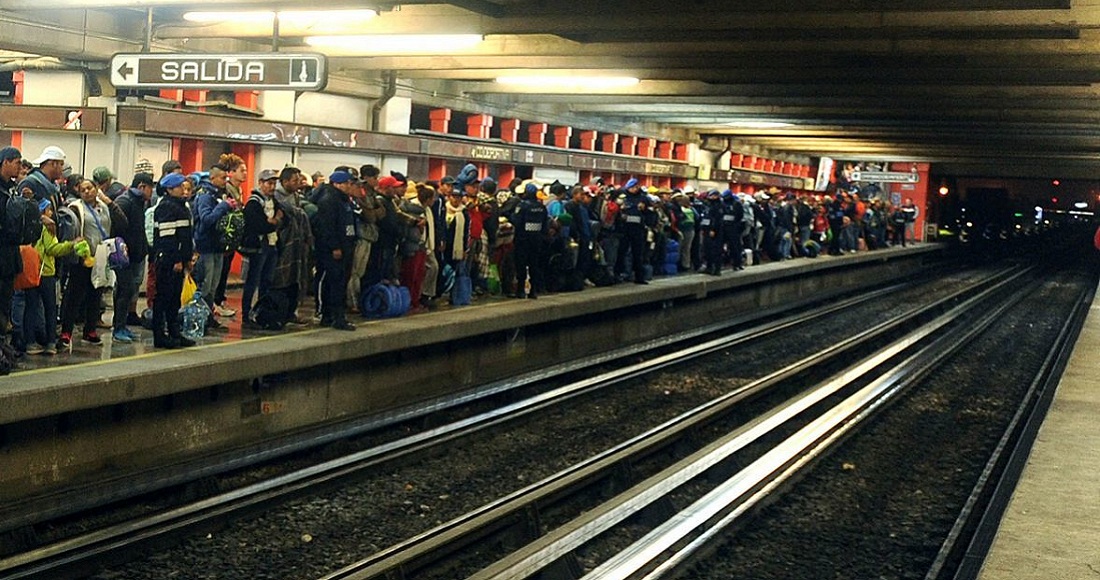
x: 224, y: 311
x: 343, y: 326
x: 123, y: 335
x: 65, y: 340
x: 91, y: 336
x: 35, y: 348
x: 51, y: 350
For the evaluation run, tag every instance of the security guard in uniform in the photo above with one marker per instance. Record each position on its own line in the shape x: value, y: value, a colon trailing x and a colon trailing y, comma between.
x: 633, y: 216
x: 173, y: 248
x: 733, y: 217
x: 531, y: 222
x: 335, y: 233
x: 710, y: 227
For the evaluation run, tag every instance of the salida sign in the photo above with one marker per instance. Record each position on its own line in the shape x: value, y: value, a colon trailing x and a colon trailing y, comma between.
x: 302, y: 72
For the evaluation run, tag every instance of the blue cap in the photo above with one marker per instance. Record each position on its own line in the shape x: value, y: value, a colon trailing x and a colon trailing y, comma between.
x: 42, y: 205
x: 727, y: 194
x: 531, y: 189
x: 340, y: 177
x: 172, y: 180
x: 631, y: 183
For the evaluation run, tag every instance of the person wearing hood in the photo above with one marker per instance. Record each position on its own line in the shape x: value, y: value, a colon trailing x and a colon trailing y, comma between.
x: 419, y: 236
x: 530, y: 220
x: 207, y: 208
x: 635, y: 209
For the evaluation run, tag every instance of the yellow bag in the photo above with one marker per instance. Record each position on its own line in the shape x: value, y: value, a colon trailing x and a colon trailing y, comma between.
x: 189, y: 288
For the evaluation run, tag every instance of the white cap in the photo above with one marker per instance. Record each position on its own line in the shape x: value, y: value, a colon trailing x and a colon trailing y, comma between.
x: 51, y: 153
x: 689, y: 190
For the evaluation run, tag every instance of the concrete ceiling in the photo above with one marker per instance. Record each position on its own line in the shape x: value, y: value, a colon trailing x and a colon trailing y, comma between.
x: 978, y: 87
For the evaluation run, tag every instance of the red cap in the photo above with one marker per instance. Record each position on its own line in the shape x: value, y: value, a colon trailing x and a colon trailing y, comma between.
x: 389, y: 181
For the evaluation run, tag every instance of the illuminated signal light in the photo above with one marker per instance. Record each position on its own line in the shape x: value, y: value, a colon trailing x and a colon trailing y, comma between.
x: 1056, y: 182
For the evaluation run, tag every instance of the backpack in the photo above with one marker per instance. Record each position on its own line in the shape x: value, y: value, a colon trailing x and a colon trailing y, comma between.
x: 31, y: 274
x: 118, y: 255
x: 231, y: 230
x: 7, y: 358
x: 270, y: 310
x: 68, y: 225
x: 21, y: 223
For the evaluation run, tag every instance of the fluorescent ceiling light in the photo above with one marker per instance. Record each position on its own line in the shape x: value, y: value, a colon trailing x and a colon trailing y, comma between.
x: 758, y: 124
x: 300, y: 17
x: 581, y: 83
x: 396, y: 43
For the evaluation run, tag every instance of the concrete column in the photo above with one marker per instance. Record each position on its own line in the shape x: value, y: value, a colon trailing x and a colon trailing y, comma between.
x: 561, y: 136
x: 588, y: 142
x: 440, y: 120
x: 479, y: 126
x: 509, y: 130
x: 609, y: 142
x: 627, y: 145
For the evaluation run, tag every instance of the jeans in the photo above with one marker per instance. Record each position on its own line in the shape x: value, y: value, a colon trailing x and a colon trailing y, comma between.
x: 261, y: 271
x: 211, y: 265
x: 127, y: 282
x: 40, y: 314
x: 18, y: 323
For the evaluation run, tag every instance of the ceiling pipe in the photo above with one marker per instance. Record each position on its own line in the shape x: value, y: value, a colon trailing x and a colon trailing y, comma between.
x: 388, y: 92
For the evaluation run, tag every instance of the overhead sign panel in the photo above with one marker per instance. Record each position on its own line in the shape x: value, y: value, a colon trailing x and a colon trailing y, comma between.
x: 299, y: 72
x: 886, y: 176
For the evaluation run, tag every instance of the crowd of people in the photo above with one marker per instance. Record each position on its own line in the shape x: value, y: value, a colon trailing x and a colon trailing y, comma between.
x: 335, y: 237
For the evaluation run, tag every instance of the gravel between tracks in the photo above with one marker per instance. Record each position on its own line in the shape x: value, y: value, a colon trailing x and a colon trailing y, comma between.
x: 310, y: 537
x: 881, y: 505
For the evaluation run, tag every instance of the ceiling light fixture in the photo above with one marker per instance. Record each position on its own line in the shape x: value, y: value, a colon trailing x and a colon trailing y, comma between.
x: 302, y: 17
x: 758, y: 124
x: 574, y: 82
x: 396, y: 43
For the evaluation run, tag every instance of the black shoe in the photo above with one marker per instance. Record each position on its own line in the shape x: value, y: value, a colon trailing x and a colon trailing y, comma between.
x: 641, y: 282
x: 327, y: 323
x: 165, y: 342
x: 183, y: 342
x: 518, y: 295
x: 343, y: 326
x: 533, y: 296
x: 132, y: 319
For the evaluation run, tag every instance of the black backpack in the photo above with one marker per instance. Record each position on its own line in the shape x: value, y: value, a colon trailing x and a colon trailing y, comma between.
x: 270, y: 310
x: 231, y: 230
x: 21, y: 223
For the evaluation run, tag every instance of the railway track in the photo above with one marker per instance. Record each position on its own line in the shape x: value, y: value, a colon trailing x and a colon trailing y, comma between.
x: 79, y: 555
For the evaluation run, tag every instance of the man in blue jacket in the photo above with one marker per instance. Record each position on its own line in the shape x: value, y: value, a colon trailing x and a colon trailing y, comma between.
x: 207, y: 207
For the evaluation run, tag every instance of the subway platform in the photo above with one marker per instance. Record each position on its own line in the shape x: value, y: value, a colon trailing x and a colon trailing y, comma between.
x: 1051, y: 527
x: 124, y: 408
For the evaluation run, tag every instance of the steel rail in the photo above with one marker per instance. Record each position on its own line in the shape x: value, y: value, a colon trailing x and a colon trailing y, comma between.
x: 561, y: 542
x: 406, y: 558
x: 964, y: 550
x: 129, y: 484
x: 665, y: 550
x: 83, y: 553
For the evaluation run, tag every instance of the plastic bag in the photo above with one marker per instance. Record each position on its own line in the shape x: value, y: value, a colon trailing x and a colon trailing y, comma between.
x: 193, y: 316
x: 102, y: 275
x: 189, y: 288
x: 493, y: 279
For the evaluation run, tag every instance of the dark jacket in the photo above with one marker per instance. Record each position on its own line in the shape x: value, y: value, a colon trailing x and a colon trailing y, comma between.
x: 335, y: 223
x: 172, y: 231
x: 132, y: 204
x: 256, y: 225
x: 10, y: 261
